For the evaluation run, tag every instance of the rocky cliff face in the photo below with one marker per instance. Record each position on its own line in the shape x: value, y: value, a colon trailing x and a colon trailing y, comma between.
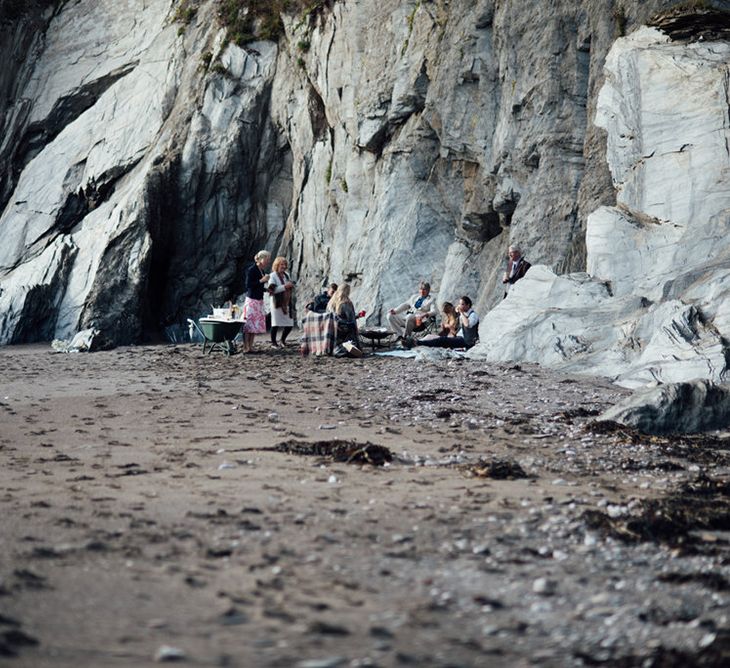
x: 654, y: 303
x: 146, y: 160
x: 139, y: 177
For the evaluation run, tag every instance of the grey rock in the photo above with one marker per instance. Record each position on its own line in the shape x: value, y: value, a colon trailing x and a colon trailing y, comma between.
x: 166, y: 653
x: 651, y: 307
x: 674, y: 408
x: 141, y: 169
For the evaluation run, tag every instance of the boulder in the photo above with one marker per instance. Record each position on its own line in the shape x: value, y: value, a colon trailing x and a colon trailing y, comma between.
x: 681, y: 408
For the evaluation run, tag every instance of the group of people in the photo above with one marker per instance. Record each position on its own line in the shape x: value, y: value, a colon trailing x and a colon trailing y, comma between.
x: 279, y: 286
x: 459, y: 324
x: 459, y: 327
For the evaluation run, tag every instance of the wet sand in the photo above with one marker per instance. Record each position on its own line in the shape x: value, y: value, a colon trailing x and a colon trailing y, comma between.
x: 145, y: 504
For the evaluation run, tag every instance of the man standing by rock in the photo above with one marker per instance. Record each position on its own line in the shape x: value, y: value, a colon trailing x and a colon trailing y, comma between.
x: 417, y: 309
x: 517, y: 266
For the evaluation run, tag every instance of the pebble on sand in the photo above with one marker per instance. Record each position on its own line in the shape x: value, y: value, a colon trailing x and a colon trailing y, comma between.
x: 169, y: 653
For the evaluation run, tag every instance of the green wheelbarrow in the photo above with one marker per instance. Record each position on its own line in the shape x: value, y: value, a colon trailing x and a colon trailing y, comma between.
x: 218, y: 334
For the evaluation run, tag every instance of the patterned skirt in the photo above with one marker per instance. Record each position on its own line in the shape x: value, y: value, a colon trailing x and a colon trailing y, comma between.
x: 253, y: 313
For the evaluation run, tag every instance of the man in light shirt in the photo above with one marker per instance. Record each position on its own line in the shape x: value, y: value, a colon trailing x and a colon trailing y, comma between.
x: 405, y: 318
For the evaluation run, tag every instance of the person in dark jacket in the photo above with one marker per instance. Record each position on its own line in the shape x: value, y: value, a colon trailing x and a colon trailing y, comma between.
x: 319, y: 305
x: 253, y: 307
x: 344, y: 311
x: 517, y: 266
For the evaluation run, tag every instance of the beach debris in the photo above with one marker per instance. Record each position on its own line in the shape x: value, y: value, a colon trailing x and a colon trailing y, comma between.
x: 326, y: 662
x: 350, y: 452
x: 498, y: 469
x: 702, y: 504
x: 13, y: 638
x: 169, y: 653
x: 87, y: 340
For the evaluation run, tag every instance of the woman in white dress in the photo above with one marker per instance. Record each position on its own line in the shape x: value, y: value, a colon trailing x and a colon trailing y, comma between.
x: 280, y: 293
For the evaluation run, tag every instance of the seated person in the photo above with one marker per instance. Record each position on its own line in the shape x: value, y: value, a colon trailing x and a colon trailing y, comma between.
x: 449, y: 322
x: 418, y: 308
x: 468, y: 334
x: 319, y: 305
x: 344, y: 311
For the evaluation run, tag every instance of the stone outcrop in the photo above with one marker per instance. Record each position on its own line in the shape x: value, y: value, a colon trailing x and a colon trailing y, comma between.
x: 654, y: 303
x: 145, y: 160
x: 133, y: 184
x: 682, y: 408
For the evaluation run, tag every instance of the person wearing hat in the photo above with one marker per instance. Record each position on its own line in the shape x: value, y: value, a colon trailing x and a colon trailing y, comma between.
x: 420, y: 307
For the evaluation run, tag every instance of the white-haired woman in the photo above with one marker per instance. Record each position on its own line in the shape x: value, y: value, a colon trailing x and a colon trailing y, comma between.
x: 253, y: 307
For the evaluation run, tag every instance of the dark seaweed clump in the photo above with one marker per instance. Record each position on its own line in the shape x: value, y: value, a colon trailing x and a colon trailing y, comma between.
x: 350, y: 452
x: 700, y: 505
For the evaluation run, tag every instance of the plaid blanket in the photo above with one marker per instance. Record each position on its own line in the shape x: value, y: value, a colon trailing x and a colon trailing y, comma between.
x: 318, y: 334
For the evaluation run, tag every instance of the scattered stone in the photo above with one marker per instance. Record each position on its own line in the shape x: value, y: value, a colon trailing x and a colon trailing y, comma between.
x: 169, y: 653
x: 328, y: 662
x: 544, y: 586
x: 325, y: 628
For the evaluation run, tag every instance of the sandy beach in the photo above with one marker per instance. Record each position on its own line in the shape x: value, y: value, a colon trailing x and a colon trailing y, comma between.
x: 160, y: 505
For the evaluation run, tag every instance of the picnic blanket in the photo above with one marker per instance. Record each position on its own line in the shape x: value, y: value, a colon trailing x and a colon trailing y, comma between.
x: 425, y: 354
x: 319, y: 331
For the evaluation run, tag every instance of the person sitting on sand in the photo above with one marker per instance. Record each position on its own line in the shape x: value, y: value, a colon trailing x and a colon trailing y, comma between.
x: 344, y: 311
x: 467, y: 336
x: 449, y: 322
x: 319, y: 305
x: 417, y: 309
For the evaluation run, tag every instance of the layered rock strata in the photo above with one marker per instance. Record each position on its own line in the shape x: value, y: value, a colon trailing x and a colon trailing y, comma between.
x: 654, y: 303
x: 146, y: 160
x: 133, y: 189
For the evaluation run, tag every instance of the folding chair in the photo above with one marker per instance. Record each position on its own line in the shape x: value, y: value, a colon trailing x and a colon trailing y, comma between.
x: 427, y: 326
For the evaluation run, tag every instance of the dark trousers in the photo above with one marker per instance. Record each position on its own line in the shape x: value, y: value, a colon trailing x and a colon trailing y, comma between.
x: 443, y: 342
x: 285, y: 333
